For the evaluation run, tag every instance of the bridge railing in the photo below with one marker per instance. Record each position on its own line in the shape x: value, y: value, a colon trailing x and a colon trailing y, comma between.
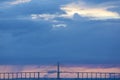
x: 25, y: 75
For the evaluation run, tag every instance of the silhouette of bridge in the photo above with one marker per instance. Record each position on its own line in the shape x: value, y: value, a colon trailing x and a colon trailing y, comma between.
x: 55, y: 75
x: 59, y: 75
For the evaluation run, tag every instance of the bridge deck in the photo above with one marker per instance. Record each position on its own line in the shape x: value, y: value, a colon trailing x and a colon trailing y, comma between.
x: 62, y: 76
x: 63, y: 79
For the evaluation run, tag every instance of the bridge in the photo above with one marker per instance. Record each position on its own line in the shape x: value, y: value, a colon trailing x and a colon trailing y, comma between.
x: 59, y: 75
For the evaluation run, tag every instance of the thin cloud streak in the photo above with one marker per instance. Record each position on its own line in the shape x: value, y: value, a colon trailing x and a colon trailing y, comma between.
x: 59, y: 25
x: 16, y: 2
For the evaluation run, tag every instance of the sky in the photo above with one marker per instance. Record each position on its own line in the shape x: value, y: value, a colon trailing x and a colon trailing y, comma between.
x: 35, y: 32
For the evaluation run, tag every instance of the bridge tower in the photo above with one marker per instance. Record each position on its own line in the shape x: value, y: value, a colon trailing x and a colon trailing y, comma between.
x: 58, y: 70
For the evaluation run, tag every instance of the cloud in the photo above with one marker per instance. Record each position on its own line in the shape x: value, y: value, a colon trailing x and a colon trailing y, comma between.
x: 16, y: 2
x: 10, y: 3
x: 92, y: 12
x: 82, y: 9
x: 59, y: 25
x: 49, y: 17
x: 46, y: 17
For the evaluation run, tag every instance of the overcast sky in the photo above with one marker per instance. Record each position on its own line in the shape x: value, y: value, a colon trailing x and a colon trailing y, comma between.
x: 69, y: 31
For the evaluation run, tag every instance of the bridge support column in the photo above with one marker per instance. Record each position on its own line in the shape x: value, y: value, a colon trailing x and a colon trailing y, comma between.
x: 58, y: 71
